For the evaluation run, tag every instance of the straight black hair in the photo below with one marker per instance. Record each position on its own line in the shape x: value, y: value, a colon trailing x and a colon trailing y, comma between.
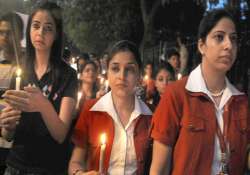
x: 210, y: 20
x: 123, y: 46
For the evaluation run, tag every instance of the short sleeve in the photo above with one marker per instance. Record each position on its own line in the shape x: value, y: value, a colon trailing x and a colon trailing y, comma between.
x: 165, y: 122
x: 71, y: 86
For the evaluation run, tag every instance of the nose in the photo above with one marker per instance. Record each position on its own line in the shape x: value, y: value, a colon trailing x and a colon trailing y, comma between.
x: 228, y: 43
x: 122, y: 74
x: 41, y: 30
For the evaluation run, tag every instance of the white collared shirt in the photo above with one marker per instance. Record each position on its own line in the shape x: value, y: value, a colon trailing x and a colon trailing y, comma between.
x: 123, y: 157
x: 196, y: 83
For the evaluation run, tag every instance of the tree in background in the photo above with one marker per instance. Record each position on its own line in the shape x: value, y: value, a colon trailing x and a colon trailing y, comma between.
x: 93, y: 24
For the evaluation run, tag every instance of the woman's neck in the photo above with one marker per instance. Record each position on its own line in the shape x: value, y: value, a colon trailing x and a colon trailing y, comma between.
x: 124, y: 107
x: 41, y: 63
x: 215, y: 80
x: 87, y: 88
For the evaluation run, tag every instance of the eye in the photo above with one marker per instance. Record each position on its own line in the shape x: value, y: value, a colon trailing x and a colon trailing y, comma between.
x: 160, y: 79
x: 35, y: 26
x: 234, y: 38
x: 219, y: 37
x: 115, y: 69
x: 130, y: 69
x: 48, y: 28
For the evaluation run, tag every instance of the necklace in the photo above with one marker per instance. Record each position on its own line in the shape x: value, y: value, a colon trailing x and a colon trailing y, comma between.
x: 217, y: 94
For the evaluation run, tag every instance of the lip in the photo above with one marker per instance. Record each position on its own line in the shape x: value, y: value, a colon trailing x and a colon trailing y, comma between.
x: 39, y: 42
x: 225, y: 56
x: 121, y: 85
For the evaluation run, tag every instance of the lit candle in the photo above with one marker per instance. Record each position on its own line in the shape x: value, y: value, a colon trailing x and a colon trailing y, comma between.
x: 18, y: 78
x: 179, y: 76
x: 146, y: 78
x: 106, y: 85
x: 102, y: 152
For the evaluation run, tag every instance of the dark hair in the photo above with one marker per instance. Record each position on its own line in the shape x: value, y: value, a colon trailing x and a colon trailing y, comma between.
x: 211, y: 19
x: 56, y: 54
x: 16, y: 35
x: 16, y: 23
x: 124, y: 46
x: 149, y: 63
x: 87, y: 63
x: 167, y: 67
x: 84, y: 56
x: 171, y: 53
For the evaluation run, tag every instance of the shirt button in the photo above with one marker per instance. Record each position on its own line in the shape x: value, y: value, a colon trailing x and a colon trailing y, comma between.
x: 190, y: 126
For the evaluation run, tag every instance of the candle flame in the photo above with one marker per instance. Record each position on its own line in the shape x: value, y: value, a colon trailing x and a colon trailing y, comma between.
x: 103, y: 138
x: 146, y: 77
x: 179, y: 75
x: 106, y: 83
x: 79, y: 95
x: 18, y: 72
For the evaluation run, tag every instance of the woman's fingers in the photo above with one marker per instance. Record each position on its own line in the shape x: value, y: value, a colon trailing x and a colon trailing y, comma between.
x: 31, y: 89
x: 9, y: 117
x: 16, y: 99
x: 17, y: 105
x: 7, y: 109
x: 21, y: 94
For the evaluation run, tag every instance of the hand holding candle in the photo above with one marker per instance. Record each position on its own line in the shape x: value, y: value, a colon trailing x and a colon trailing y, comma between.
x: 102, y: 152
x: 18, y: 78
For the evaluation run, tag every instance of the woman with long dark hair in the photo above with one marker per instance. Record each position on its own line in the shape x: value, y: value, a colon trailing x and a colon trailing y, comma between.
x: 38, y: 117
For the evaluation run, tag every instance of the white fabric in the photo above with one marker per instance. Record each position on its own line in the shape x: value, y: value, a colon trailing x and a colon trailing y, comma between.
x: 123, y: 156
x: 196, y: 83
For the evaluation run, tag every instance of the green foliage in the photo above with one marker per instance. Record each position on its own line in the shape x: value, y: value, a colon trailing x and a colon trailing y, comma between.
x: 93, y: 24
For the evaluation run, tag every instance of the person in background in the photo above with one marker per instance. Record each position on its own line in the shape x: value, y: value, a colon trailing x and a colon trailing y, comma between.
x: 174, y: 60
x: 201, y: 125
x: 38, y: 116
x: 119, y: 114
x: 88, y: 87
x: 11, y: 31
x: 164, y: 75
x: 83, y: 57
x: 11, y: 34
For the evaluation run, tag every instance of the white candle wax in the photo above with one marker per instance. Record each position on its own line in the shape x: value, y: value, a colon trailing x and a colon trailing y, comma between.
x: 102, y: 153
x: 18, y: 79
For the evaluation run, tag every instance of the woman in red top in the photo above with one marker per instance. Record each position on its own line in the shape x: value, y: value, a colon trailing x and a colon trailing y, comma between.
x: 201, y: 125
x: 123, y: 117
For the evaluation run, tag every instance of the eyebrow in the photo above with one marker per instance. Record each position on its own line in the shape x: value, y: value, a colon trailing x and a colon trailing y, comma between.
x: 130, y: 63
x: 221, y: 31
x: 48, y: 23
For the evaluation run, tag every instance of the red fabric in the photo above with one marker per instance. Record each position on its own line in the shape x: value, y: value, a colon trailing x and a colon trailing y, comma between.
x: 91, y: 124
x: 186, y: 121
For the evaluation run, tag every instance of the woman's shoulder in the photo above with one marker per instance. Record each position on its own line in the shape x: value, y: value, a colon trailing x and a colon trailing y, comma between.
x: 65, y: 67
x: 177, y: 87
